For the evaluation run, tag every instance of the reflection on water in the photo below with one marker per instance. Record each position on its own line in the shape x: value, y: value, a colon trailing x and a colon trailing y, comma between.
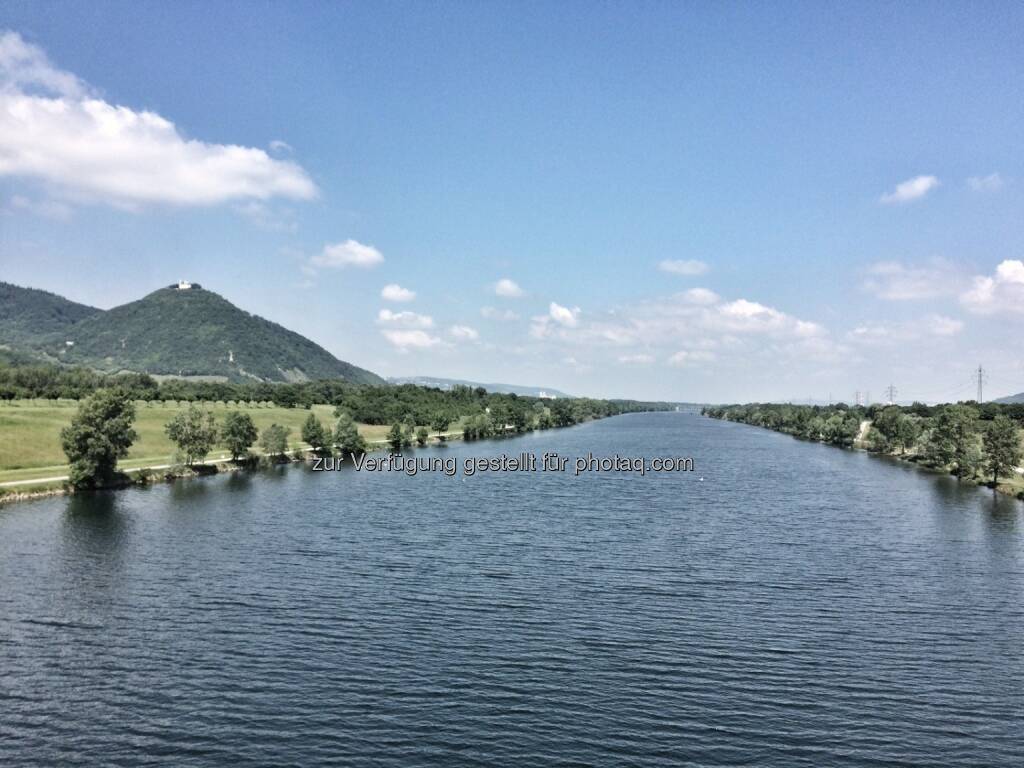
x: 800, y: 606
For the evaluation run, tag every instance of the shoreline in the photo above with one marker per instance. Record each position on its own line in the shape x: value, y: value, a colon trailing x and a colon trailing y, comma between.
x: 908, y: 459
x: 168, y: 473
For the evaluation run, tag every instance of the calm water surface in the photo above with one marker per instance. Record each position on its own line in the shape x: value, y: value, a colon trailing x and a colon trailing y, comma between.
x: 800, y: 606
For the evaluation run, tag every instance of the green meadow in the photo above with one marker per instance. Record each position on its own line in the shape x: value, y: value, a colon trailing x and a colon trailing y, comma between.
x: 30, y: 433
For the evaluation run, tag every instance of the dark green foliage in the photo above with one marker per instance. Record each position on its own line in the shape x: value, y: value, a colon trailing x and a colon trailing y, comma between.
x: 440, y: 422
x: 313, y: 432
x: 399, y: 436
x: 180, y: 333
x: 422, y: 435
x: 100, y: 433
x: 959, y: 438
x: 27, y: 314
x: 238, y: 433
x: 1002, y: 447
x: 346, y: 435
x: 195, y: 433
x: 274, y: 441
x: 954, y: 441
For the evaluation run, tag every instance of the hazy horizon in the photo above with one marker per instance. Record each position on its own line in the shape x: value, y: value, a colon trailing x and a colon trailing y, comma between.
x: 659, y: 202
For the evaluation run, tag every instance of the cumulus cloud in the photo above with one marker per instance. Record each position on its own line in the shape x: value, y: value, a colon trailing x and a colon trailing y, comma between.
x: 347, y: 254
x: 991, y: 183
x: 405, y: 339
x: 56, y: 130
x: 703, y: 325
x: 1002, y: 292
x: 894, y: 281
x: 395, y: 292
x: 508, y: 288
x: 891, y: 334
x: 564, y: 315
x: 683, y: 266
x: 498, y: 314
x: 404, y: 319
x: 463, y: 333
x: 909, y: 190
x: 700, y: 296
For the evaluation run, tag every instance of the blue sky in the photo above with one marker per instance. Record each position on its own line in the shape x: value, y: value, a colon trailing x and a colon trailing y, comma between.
x: 695, y: 201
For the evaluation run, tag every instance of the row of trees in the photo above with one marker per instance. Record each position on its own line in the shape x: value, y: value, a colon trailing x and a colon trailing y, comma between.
x: 963, y: 439
x: 102, y: 432
x: 366, y: 404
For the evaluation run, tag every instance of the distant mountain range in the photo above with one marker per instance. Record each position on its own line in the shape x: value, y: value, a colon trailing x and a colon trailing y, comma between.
x: 181, y: 330
x: 1010, y: 399
x: 508, y: 389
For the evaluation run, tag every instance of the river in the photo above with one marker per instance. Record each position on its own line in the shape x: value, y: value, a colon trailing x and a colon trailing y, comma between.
x: 785, y: 604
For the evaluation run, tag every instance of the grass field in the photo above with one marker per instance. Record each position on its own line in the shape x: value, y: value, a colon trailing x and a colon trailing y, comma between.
x: 30, y: 433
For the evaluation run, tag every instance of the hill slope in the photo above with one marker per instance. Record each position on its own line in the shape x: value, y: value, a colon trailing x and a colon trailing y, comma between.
x: 1011, y: 399
x: 26, y: 314
x: 185, y: 333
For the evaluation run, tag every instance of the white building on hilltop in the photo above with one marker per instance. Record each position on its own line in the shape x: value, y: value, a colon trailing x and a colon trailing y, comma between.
x: 184, y: 285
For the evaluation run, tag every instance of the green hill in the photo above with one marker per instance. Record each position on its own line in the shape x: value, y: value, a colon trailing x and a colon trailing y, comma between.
x: 192, y: 332
x: 26, y: 314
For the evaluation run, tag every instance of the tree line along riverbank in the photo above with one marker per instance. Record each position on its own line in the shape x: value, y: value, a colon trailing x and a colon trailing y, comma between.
x: 111, y: 437
x: 976, y: 443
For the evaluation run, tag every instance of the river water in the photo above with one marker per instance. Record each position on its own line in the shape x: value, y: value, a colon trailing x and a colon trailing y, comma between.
x: 785, y: 604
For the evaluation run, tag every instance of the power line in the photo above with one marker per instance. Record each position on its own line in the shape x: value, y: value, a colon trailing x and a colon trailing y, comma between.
x: 890, y: 394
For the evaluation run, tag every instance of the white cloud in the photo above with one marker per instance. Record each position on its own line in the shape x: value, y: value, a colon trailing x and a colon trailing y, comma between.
x: 280, y: 146
x: 683, y: 267
x: 882, y: 334
x: 700, y: 296
x: 991, y: 183
x: 898, y: 282
x: 404, y: 319
x: 55, y: 130
x: 639, y: 359
x: 563, y: 315
x: 1003, y: 292
x: 498, y: 314
x: 703, y: 326
x: 347, y: 254
x: 463, y: 333
x: 395, y: 292
x: 410, y: 339
x: 911, y: 189
x: 508, y: 288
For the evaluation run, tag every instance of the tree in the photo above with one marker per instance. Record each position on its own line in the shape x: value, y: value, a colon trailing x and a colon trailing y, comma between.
x: 908, y: 431
x: 346, y: 435
x: 421, y: 436
x: 1002, y: 446
x: 396, y: 437
x: 953, y: 440
x: 313, y: 432
x: 440, y: 422
x: 195, y: 433
x: 238, y: 433
x: 274, y: 441
x: 100, y: 433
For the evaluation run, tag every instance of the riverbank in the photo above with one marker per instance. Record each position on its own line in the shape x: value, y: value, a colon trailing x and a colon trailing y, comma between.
x: 854, y: 432
x: 27, y: 490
